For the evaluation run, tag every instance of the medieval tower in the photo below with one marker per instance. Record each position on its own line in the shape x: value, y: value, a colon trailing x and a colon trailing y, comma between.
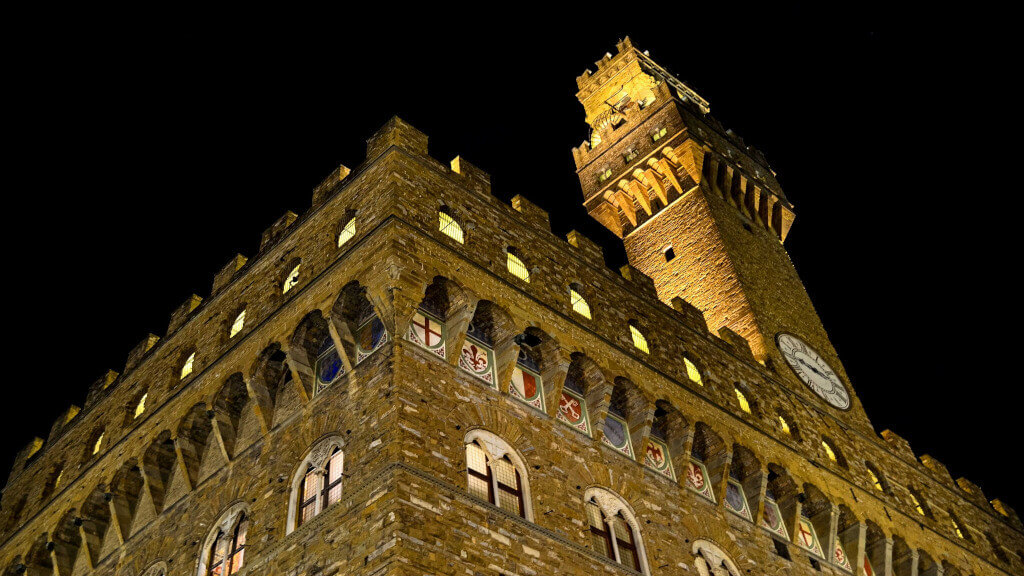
x: 413, y: 378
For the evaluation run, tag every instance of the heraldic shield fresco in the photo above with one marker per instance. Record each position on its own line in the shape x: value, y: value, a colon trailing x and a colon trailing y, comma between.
x: 657, y: 458
x: 772, y: 519
x: 427, y: 331
x: 526, y: 383
x: 697, y: 479
x: 370, y: 335
x: 736, y: 500
x: 572, y: 408
x: 477, y: 358
x: 808, y: 538
x: 616, y: 434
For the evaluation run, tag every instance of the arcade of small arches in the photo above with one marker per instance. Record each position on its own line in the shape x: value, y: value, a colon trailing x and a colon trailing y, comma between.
x: 482, y: 338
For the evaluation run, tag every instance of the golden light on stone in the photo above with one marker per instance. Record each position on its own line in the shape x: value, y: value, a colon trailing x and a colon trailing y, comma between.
x: 237, y: 325
x: 292, y: 280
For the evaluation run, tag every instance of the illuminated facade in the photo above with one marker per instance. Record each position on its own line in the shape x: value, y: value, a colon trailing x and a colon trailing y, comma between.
x: 414, y: 378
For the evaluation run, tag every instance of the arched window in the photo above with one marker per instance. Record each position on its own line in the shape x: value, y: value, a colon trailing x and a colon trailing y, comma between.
x: 347, y: 232
x: 692, y: 372
x: 784, y: 425
x: 223, y: 551
x: 833, y: 452
x: 877, y: 479
x: 742, y: 399
x: 639, y: 340
x: 828, y: 450
x: 449, y: 226
x: 579, y: 303
x: 496, y: 473
x: 958, y: 528
x: 614, y: 532
x: 516, y: 266
x: 291, y: 280
x: 919, y: 503
x: 237, y: 325
x: 186, y: 368
x: 712, y: 560
x: 317, y: 482
x: 140, y: 408
x: 97, y: 443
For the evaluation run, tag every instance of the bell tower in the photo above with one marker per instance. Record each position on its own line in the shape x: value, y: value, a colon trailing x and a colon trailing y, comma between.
x: 698, y: 210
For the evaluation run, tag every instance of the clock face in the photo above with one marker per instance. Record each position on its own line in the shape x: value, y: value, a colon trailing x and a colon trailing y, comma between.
x: 813, y: 371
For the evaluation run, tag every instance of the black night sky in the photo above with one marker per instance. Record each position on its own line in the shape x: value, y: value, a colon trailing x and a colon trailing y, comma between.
x: 142, y: 156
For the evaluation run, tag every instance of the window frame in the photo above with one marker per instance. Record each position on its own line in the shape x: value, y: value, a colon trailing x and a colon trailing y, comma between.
x: 496, y: 448
x: 452, y: 229
x: 315, y: 464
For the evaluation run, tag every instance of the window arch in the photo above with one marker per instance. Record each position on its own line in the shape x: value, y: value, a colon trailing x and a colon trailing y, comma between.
x: 292, y: 279
x: 919, y: 503
x: 317, y: 482
x: 347, y: 230
x: 614, y: 531
x: 187, y: 366
x: 578, y: 302
x: 495, y: 472
x: 833, y: 452
x: 710, y: 560
x: 877, y: 478
x: 449, y: 226
x: 237, y: 324
x: 516, y: 266
x: 223, y: 551
x: 692, y: 372
x: 639, y: 340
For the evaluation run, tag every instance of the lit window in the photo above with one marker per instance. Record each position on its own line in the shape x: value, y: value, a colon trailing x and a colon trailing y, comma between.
x: 98, y: 444
x: 495, y: 480
x: 744, y: 404
x: 784, y: 425
x: 639, y: 341
x: 141, y: 406
x: 321, y: 486
x: 347, y: 232
x: 449, y: 227
x: 691, y: 372
x: 612, y: 531
x: 606, y: 174
x: 916, y: 503
x: 956, y: 528
x: 60, y: 475
x: 828, y: 450
x: 292, y: 280
x: 227, y: 553
x: 517, y: 268
x: 658, y: 135
x: 631, y: 155
x: 237, y: 325
x: 875, y: 480
x: 186, y: 369
x: 579, y: 304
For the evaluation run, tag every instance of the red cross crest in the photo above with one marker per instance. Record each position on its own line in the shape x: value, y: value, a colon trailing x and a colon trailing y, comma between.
x: 806, y: 535
x: 425, y: 330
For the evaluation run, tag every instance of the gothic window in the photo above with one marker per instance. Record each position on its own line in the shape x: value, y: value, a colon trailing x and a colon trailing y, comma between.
x: 317, y: 483
x: 347, y: 232
x: 639, y: 340
x: 448, y: 226
x: 223, y: 552
x: 516, y: 266
x: 291, y: 280
x: 140, y: 408
x: 613, y: 529
x: 692, y: 372
x: 578, y: 302
x: 713, y: 561
x: 186, y: 368
x: 237, y: 325
x: 497, y: 474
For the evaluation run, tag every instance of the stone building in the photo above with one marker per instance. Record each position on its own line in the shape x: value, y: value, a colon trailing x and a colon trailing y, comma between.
x: 413, y: 378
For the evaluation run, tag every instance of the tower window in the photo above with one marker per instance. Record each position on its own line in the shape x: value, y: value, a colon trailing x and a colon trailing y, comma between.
x: 783, y: 424
x: 670, y: 254
x: 742, y: 398
x: 99, y: 444
x: 321, y: 486
x: 449, y: 227
x: 639, y: 340
x: 604, y: 175
x: 579, y: 304
x: 141, y: 406
x: 692, y: 372
x: 186, y: 368
x: 630, y: 155
x: 517, y: 267
x: 829, y: 451
x: 956, y: 528
x: 659, y: 134
x: 347, y: 232
x: 237, y: 325
x: 875, y: 481
x: 227, y: 553
x: 291, y: 280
